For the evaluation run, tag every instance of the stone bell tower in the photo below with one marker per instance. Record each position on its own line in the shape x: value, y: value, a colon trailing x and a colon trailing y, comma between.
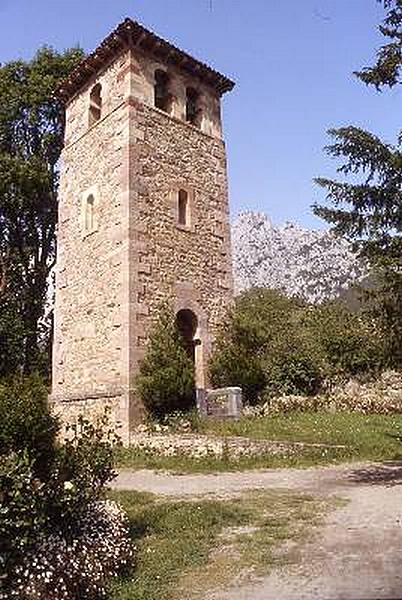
x: 143, y: 217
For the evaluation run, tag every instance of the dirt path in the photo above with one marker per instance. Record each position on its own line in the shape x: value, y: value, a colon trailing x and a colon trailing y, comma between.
x: 317, y: 479
x: 356, y: 555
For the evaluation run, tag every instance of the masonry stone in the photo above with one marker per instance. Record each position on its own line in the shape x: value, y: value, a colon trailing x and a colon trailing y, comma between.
x: 122, y: 174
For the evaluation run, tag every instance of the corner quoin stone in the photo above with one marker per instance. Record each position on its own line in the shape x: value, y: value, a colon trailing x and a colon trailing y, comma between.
x: 112, y: 278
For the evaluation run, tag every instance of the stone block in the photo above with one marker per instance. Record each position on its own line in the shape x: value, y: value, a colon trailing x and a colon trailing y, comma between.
x: 223, y: 402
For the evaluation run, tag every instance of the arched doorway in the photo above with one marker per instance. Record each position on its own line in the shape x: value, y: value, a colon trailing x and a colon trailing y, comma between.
x: 190, y: 330
x: 187, y: 324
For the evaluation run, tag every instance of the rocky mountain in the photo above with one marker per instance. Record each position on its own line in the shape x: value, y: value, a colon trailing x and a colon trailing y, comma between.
x: 313, y: 264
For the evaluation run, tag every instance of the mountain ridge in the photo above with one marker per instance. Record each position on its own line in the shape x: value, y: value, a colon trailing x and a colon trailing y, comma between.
x: 313, y: 264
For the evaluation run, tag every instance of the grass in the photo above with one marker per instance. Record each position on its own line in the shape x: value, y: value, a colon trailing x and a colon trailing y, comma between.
x: 187, y: 547
x: 371, y: 437
x: 365, y: 437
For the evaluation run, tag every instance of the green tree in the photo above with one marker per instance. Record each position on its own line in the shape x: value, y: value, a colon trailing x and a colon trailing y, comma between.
x: 264, y: 346
x: 165, y: 381
x: 349, y: 340
x: 273, y: 344
x: 369, y: 211
x: 26, y: 423
x: 31, y: 139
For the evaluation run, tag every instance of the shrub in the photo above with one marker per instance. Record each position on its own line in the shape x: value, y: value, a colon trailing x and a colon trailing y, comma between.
x: 263, y: 346
x: 22, y: 510
x: 294, y: 365
x: 351, y: 341
x: 165, y: 381
x: 79, y: 566
x: 272, y: 345
x: 26, y: 423
x: 58, y: 538
x: 233, y: 365
x: 85, y: 464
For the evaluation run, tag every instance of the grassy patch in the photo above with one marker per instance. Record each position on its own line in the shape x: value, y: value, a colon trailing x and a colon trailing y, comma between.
x: 187, y: 547
x: 373, y: 437
x: 366, y: 437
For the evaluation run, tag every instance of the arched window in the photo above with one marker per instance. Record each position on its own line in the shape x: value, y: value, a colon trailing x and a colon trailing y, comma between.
x: 161, y: 90
x: 183, y: 208
x: 193, y: 112
x: 95, y: 104
x: 90, y: 213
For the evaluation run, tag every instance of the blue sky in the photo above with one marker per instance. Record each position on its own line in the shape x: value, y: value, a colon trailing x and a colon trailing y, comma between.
x: 292, y: 61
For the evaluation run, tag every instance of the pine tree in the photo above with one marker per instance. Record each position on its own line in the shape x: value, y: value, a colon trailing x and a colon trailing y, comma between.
x: 370, y: 212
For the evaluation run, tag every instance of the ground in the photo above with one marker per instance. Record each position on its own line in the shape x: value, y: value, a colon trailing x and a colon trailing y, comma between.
x: 352, y: 550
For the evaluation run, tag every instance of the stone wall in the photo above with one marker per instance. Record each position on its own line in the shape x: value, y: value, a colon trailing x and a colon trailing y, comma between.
x: 88, y: 356
x: 92, y: 409
x: 142, y: 70
x: 191, y: 265
x: 114, y: 92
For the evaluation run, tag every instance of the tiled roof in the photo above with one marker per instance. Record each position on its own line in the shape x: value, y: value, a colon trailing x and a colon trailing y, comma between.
x: 130, y: 34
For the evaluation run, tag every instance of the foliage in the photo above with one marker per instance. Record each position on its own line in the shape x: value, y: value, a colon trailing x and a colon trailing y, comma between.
x: 232, y: 364
x: 22, y: 515
x: 369, y: 211
x: 276, y: 345
x: 51, y: 498
x: 26, y: 424
x: 80, y: 567
x: 31, y: 138
x: 387, y: 69
x: 351, y: 342
x: 166, y: 375
x: 254, y: 342
x: 386, y: 308
x: 11, y: 333
x: 85, y: 461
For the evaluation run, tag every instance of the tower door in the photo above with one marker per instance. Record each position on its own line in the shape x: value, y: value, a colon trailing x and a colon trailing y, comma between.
x: 187, y: 324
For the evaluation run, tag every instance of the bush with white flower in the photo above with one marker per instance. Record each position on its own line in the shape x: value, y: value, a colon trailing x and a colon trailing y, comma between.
x: 80, y: 566
x: 59, y: 538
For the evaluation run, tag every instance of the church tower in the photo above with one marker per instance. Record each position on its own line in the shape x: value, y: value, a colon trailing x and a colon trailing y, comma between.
x: 143, y: 217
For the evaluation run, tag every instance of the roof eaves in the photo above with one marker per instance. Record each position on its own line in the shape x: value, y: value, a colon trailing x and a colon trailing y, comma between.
x: 130, y: 34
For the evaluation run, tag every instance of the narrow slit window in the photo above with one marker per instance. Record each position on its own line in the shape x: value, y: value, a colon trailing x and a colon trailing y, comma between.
x: 183, y: 208
x: 90, y: 213
x: 95, y: 104
x: 161, y: 90
x: 193, y: 112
